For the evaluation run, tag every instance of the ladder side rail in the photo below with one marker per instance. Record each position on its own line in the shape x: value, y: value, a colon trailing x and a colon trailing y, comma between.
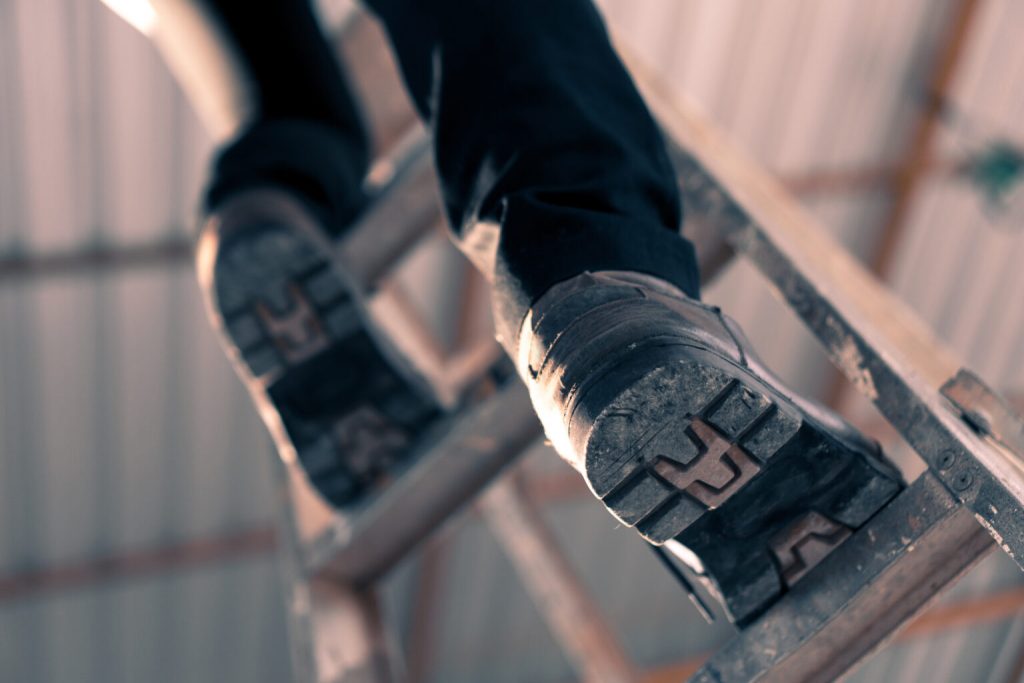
x: 484, y: 440
x: 860, y: 595
x: 885, y: 350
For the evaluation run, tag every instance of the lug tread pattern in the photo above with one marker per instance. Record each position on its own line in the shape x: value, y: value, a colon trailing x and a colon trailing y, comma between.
x: 693, y: 459
x: 286, y: 311
x: 672, y: 462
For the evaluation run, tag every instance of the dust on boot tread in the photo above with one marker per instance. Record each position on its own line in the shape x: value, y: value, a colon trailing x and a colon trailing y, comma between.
x: 294, y: 324
x: 695, y: 461
x: 673, y: 460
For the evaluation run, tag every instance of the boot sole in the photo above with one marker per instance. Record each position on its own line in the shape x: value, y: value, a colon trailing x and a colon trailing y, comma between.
x: 686, y: 441
x: 299, y: 336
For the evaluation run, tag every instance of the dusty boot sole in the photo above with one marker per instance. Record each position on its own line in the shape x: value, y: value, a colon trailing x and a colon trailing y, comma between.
x: 299, y: 336
x: 689, y: 446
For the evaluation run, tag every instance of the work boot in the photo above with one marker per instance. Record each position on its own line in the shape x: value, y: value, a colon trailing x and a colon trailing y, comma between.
x: 660, y: 403
x: 334, y: 393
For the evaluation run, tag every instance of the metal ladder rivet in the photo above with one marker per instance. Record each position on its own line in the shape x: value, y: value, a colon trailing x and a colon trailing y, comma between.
x: 963, y: 481
x: 946, y: 459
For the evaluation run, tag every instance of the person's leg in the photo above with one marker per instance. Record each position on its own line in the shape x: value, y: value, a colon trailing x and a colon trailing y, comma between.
x: 654, y: 397
x: 538, y: 128
x: 301, y: 126
x: 332, y: 391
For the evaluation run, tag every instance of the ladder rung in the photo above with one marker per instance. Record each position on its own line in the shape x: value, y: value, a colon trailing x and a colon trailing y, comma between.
x: 859, y: 595
x: 479, y: 445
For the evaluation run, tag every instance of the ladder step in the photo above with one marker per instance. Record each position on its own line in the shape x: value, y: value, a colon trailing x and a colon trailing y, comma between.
x: 873, y: 583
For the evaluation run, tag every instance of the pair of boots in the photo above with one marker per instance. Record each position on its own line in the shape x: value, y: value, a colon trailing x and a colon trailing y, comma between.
x: 656, y: 399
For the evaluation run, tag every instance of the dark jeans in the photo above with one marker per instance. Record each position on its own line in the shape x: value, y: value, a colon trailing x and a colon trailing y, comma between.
x: 536, y: 127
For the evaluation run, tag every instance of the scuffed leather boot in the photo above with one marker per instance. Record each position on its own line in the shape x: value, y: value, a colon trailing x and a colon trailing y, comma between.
x: 659, y: 402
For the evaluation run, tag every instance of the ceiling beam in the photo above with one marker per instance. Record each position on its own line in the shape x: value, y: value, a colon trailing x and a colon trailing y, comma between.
x: 190, y: 554
x: 177, y: 250
x: 99, y: 258
x: 917, y: 158
x: 137, y: 564
x: 866, y: 179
